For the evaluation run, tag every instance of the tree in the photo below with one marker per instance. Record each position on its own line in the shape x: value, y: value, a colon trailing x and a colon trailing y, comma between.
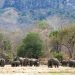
x: 43, y: 25
x: 31, y: 46
x: 64, y: 37
x: 5, y: 47
x: 69, y: 41
x: 55, y: 40
x: 43, y: 29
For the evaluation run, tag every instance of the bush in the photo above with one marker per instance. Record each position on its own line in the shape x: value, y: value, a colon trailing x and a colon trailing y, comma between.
x: 58, y: 55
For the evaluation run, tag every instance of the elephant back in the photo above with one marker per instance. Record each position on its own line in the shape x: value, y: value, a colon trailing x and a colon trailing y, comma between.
x: 55, y: 61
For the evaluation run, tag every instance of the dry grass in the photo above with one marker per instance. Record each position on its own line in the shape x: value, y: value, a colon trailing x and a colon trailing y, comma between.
x: 42, y: 70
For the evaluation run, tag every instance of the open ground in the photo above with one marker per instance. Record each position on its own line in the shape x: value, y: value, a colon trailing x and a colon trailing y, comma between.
x: 42, y: 70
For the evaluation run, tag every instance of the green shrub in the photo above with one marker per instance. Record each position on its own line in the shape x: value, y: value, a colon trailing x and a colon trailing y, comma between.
x: 58, y: 55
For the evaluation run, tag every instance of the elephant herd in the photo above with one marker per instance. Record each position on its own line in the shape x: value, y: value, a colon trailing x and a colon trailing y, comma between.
x: 25, y: 62
x: 20, y: 62
x: 53, y: 62
x: 57, y: 63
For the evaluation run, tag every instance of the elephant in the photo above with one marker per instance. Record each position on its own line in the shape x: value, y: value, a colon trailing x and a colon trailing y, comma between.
x: 15, y: 63
x: 30, y: 62
x: 2, y: 62
x: 64, y: 63
x: 23, y: 61
x: 71, y: 63
x: 34, y: 62
x: 53, y: 62
x: 26, y: 62
x: 50, y: 63
x: 20, y: 59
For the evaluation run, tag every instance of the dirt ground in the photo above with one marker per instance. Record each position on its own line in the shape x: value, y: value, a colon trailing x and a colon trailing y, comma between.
x: 42, y: 70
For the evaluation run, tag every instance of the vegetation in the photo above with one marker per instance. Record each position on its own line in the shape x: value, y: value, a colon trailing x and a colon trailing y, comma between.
x: 31, y: 46
x: 57, y: 43
x: 58, y: 55
x: 5, y: 47
x: 44, y: 30
x: 64, y: 37
x: 42, y: 24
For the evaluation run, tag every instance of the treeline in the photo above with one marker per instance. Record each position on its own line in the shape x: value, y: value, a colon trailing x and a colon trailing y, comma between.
x: 42, y: 41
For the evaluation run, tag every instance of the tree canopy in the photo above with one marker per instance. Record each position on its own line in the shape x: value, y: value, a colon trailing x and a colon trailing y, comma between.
x: 31, y: 46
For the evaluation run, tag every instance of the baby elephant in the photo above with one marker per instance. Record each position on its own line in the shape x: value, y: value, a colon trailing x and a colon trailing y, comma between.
x: 2, y: 62
x: 53, y: 62
x: 15, y: 63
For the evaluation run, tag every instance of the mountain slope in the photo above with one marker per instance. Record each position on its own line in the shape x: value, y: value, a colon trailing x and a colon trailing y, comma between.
x: 21, y: 13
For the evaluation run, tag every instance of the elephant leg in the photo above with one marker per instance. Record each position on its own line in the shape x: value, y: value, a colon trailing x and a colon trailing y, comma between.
x: 21, y: 64
x: 31, y: 63
x: 12, y: 64
x: 35, y: 63
x: 50, y: 65
x: 55, y: 66
x: 16, y: 64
